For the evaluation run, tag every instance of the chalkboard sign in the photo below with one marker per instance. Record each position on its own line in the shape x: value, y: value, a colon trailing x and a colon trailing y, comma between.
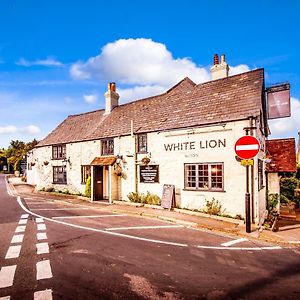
x: 149, y: 174
x: 168, y: 196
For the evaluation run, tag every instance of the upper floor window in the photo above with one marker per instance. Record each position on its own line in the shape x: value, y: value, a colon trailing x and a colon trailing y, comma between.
x: 208, y: 176
x: 142, y: 143
x: 107, y: 147
x: 59, y: 152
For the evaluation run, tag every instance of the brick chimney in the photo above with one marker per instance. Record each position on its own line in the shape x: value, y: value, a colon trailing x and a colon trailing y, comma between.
x: 219, y: 70
x: 111, y: 98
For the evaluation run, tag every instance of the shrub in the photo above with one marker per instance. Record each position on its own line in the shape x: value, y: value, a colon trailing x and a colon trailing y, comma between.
x: 213, y: 207
x: 142, y: 198
x: 273, y: 200
x: 288, y: 186
x: 49, y: 190
x: 284, y: 199
x: 88, y: 189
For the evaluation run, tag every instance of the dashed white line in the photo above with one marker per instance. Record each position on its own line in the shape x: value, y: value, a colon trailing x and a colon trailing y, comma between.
x: 241, y: 248
x: 20, y: 229
x: 23, y: 222
x: 17, y: 239
x: 71, y: 208
x: 41, y: 236
x: 43, y: 295
x: 42, y: 248
x: 39, y: 220
x: 233, y: 242
x: 7, y: 275
x: 144, y: 227
x: 82, y: 217
x: 24, y: 216
x: 41, y: 227
x: 43, y: 270
x: 13, y: 252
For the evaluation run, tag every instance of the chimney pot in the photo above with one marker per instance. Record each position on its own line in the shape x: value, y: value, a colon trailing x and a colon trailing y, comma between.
x: 112, y: 86
x: 222, y: 58
x: 216, y: 59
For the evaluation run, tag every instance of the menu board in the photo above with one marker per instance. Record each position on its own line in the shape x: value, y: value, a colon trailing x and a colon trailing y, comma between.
x: 149, y: 174
x: 168, y: 196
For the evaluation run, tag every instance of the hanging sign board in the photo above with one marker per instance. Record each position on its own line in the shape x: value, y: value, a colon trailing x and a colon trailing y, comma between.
x: 247, y: 147
x: 168, y: 196
x: 279, y: 105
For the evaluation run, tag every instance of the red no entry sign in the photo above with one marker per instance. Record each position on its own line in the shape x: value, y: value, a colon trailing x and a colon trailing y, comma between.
x: 247, y: 147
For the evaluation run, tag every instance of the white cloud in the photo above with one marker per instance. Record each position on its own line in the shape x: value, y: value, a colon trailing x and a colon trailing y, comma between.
x: 30, y: 129
x: 287, y: 126
x: 48, y: 62
x: 138, y: 62
x: 238, y: 69
x: 92, y: 98
x: 8, y: 129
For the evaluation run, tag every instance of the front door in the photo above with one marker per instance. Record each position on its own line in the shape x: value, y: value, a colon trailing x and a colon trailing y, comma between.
x: 98, y: 182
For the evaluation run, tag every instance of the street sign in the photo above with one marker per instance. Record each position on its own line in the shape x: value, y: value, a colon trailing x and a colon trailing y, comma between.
x: 247, y: 147
x: 247, y: 162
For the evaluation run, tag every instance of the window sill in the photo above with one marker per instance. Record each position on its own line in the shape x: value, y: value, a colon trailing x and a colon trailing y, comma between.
x: 204, y: 190
x: 60, y: 183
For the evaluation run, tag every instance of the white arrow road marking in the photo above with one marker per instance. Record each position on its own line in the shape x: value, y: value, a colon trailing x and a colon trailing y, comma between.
x: 247, y: 147
x: 230, y: 243
x: 17, y: 239
x: 43, y: 295
x: 41, y: 236
x: 5, y: 298
x: 42, y: 248
x: 241, y: 248
x: 13, y: 252
x: 7, y: 275
x: 144, y: 227
x: 43, y: 270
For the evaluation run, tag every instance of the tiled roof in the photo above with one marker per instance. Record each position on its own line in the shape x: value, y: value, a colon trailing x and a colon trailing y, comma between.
x: 104, y: 161
x: 185, y: 105
x: 282, y: 153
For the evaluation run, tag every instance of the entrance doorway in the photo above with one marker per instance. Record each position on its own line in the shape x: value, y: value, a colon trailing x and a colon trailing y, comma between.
x: 98, y: 183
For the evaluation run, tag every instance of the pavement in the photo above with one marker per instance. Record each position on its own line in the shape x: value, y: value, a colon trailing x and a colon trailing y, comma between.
x: 288, y: 233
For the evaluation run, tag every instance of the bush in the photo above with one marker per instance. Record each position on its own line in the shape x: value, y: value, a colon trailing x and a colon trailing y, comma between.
x: 284, y: 199
x: 273, y: 200
x: 88, y: 189
x: 49, y: 190
x: 288, y: 186
x: 213, y: 207
x: 142, y: 198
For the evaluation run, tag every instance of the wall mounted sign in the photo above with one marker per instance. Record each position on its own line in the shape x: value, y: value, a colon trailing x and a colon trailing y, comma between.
x: 247, y: 147
x: 149, y: 174
x: 168, y: 196
x: 204, y: 144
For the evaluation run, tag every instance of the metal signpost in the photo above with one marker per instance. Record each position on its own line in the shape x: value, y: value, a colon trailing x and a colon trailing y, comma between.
x: 247, y: 147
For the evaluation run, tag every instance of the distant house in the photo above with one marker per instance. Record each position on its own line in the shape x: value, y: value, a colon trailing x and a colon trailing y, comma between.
x: 282, y: 156
x: 184, y: 137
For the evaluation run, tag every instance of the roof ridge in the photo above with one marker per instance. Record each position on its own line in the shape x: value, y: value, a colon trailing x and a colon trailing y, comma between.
x: 85, y: 113
x: 282, y: 139
x: 180, y: 82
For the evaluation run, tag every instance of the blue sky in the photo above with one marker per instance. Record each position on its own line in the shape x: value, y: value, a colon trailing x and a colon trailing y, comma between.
x: 56, y: 57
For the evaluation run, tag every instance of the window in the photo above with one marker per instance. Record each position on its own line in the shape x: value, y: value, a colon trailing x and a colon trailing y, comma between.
x: 142, y: 143
x: 59, y: 174
x: 107, y: 147
x: 260, y: 174
x: 59, y: 152
x: 85, y: 173
x: 204, y: 177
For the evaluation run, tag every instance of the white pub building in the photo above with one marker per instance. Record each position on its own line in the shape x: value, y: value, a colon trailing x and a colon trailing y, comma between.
x: 184, y: 137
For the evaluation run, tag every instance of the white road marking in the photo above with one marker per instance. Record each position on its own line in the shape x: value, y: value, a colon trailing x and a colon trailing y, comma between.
x: 247, y: 147
x: 17, y: 239
x: 43, y: 295
x: 39, y: 220
x: 71, y: 208
x: 23, y: 222
x: 42, y: 248
x: 144, y: 227
x: 20, y: 229
x: 13, y: 252
x: 133, y: 237
x: 230, y: 243
x: 41, y: 227
x: 5, y: 298
x: 241, y: 248
x: 43, y: 270
x: 24, y: 216
x: 82, y: 217
x: 7, y: 275
x: 41, y: 236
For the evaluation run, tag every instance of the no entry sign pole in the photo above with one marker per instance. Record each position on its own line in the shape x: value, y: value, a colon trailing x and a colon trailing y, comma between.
x: 246, y: 148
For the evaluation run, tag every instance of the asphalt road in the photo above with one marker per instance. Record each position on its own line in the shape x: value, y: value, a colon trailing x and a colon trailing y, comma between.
x: 53, y: 249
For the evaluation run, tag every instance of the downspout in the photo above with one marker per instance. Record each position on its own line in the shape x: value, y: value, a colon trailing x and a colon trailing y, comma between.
x: 252, y: 177
x: 135, y: 158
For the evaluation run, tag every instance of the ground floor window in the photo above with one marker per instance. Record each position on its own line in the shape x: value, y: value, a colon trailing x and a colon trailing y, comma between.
x: 204, y: 176
x: 59, y: 174
x: 85, y: 173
